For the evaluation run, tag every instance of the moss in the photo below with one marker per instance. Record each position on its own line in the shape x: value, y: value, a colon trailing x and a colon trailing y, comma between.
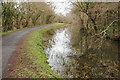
x: 34, y: 62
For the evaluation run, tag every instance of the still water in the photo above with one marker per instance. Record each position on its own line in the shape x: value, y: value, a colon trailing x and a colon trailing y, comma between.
x: 74, y: 56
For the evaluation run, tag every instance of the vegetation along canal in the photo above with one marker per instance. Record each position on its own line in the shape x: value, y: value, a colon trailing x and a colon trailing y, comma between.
x: 72, y: 55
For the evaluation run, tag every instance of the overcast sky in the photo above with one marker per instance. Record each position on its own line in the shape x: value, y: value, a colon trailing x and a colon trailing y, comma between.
x: 61, y: 6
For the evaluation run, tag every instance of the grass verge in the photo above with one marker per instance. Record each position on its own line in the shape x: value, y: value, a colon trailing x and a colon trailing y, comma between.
x: 33, y: 62
x: 11, y: 31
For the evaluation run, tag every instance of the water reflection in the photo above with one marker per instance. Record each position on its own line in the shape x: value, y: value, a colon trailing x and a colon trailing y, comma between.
x: 73, y: 55
x: 59, y: 50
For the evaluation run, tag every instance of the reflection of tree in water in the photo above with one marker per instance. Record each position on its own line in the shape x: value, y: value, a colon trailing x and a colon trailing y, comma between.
x: 93, y: 57
x: 98, y: 58
x: 91, y: 65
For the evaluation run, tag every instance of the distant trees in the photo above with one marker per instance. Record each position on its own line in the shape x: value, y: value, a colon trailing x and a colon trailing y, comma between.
x: 0, y: 16
x: 8, y: 15
x: 25, y: 14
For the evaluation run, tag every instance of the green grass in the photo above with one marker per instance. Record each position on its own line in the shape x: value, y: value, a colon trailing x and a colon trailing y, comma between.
x: 33, y: 63
x: 10, y: 31
x: 4, y: 33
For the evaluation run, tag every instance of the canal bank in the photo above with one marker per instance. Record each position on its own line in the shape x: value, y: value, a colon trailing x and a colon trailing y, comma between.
x: 29, y: 60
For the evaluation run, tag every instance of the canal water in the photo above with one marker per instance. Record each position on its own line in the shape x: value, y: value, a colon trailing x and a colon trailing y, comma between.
x: 73, y: 54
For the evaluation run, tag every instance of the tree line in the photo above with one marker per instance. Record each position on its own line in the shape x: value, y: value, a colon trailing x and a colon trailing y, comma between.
x: 25, y: 14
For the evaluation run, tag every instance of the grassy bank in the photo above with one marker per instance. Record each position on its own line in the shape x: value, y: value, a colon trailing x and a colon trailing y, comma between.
x: 11, y: 31
x: 33, y: 62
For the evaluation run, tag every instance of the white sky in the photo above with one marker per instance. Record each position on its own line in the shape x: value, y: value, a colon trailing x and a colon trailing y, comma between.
x: 61, y: 6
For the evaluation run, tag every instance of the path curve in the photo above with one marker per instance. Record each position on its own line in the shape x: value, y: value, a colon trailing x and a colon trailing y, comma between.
x: 9, y: 44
